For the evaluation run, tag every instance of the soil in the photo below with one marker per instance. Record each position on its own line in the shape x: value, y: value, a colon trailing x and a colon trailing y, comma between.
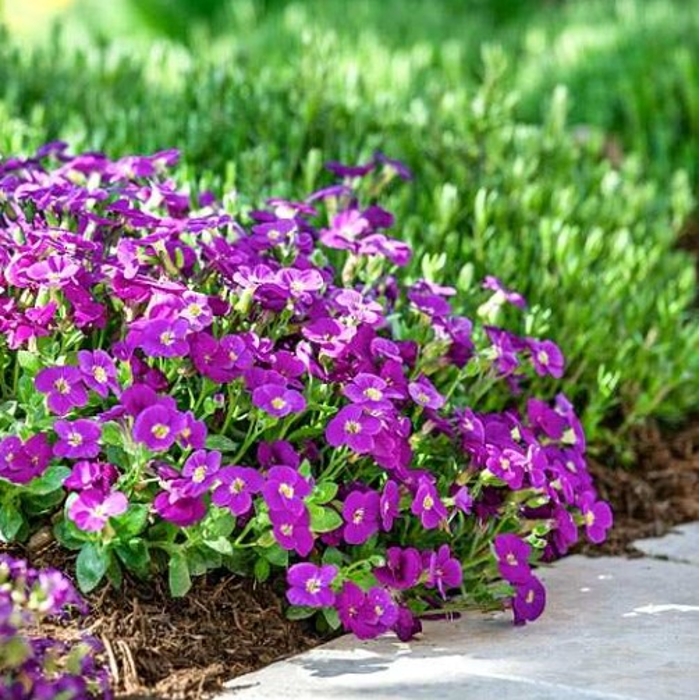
x: 185, y: 649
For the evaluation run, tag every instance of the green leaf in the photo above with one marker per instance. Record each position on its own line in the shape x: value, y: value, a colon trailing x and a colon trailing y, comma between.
x: 324, y: 492
x: 91, y: 566
x: 117, y: 456
x: 262, y: 570
x: 276, y: 555
x: 29, y: 361
x: 135, y: 556
x: 221, y: 443
x: 178, y: 576
x: 331, y: 616
x: 114, y: 573
x: 132, y: 522
x: 324, y: 519
x: 67, y: 534
x: 219, y: 523
x: 305, y: 469
x: 267, y: 539
x: 51, y: 480
x: 11, y: 521
x: 300, y: 612
x: 332, y: 555
x: 112, y: 434
x: 221, y: 545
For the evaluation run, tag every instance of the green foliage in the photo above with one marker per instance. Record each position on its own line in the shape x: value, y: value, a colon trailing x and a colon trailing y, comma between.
x: 259, y: 104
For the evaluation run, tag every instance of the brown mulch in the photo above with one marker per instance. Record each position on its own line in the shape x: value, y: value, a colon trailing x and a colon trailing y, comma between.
x: 186, y: 648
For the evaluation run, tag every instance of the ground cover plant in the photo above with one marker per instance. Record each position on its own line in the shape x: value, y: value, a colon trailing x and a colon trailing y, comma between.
x: 183, y: 392
x: 536, y: 201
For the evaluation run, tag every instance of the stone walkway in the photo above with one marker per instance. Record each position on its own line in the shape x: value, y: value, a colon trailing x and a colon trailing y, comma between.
x: 614, y: 629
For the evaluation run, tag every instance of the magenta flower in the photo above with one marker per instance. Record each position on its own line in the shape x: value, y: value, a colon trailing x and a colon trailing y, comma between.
x: 508, y: 465
x: 425, y: 394
x: 285, y: 490
x: 402, y: 570
x: 444, y: 571
x: 100, y: 475
x: 310, y: 585
x: 200, y: 470
x: 597, y: 518
x: 464, y: 500
x: 502, y: 293
x: 64, y: 388
x: 367, y: 615
x: 157, y: 427
x: 234, y: 489
x: 77, y: 439
x: 193, y: 434
x: 529, y: 600
x: 277, y: 400
x: 98, y: 371
x: 196, y: 311
x: 21, y: 462
x: 547, y: 358
x: 370, y: 391
x: 93, y: 507
x: 163, y: 338
x: 352, y: 427
x: 361, y: 515
x: 389, y: 505
x: 428, y: 506
x: 512, y: 554
x: 175, y: 506
x: 292, y: 531
x: 55, y: 271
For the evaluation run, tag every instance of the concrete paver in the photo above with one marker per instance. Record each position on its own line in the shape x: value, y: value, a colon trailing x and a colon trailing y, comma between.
x: 614, y: 629
x: 681, y: 544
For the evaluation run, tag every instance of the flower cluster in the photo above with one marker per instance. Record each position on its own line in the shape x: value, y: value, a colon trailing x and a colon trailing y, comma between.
x: 199, y: 390
x: 33, y: 666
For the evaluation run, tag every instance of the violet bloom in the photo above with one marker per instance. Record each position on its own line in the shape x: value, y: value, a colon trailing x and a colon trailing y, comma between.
x: 196, y: 311
x: 285, y: 489
x: 367, y: 615
x: 444, y: 571
x: 234, y: 488
x: 100, y: 475
x: 292, y: 531
x: 428, y: 506
x: 310, y: 585
x: 407, y: 626
x: 22, y: 462
x: 55, y: 271
x: 93, y: 507
x: 98, y: 371
x: 425, y: 394
x: 370, y: 391
x: 361, y: 515
x: 529, y: 600
x: 200, y: 470
x: 464, y: 500
x: 77, y: 439
x: 547, y: 358
x: 175, y: 506
x: 597, y: 518
x: 507, y: 465
x: 277, y: 400
x: 503, y: 294
x: 193, y: 434
x: 346, y: 228
x: 389, y: 505
x: 512, y: 554
x: 352, y: 427
x: 157, y: 427
x: 64, y: 388
x: 163, y: 338
x: 402, y: 570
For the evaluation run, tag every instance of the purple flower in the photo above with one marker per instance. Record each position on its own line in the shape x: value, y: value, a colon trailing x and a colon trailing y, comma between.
x: 55, y: 271
x: 22, y: 462
x: 547, y: 358
x: 77, y: 439
x: 277, y: 400
x: 508, y: 465
x: 234, y: 488
x: 352, y: 427
x: 425, y: 394
x: 64, y: 388
x: 367, y: 615
x: 464, y: 500
x: 163, y: 338
x: 503, y: 294
x: 196, y: 311
x: 93, y: 507
x: 175, y: 506
x: 389, y: 505
x: 157, y: 427
x: 370, y: 391
x: 402, y: 570
x: 407, y: 626
x: 361, y: 515
x: 428, y: 506
x: 597, y: 518
x: 512, y: 554
x: 292, y: 531
x: 285, y: 490
x: 444, y: 571
x: 310, y: 585
x: 98, y: 370
x: 529, y: 600
x: 100, y: 475
x: 200, y: 470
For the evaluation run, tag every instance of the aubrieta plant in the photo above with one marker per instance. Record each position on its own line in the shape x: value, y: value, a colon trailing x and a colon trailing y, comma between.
x: 32, y: 665
x: 185, y: 392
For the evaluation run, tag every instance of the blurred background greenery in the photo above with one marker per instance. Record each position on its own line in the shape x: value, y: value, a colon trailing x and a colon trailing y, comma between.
x: 554, y: 142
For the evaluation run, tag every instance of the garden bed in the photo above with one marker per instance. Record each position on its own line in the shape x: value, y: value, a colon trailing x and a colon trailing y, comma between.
x: 187, y: 648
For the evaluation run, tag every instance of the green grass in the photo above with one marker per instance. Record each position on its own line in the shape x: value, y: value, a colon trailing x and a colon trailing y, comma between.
x: 503, y: 185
